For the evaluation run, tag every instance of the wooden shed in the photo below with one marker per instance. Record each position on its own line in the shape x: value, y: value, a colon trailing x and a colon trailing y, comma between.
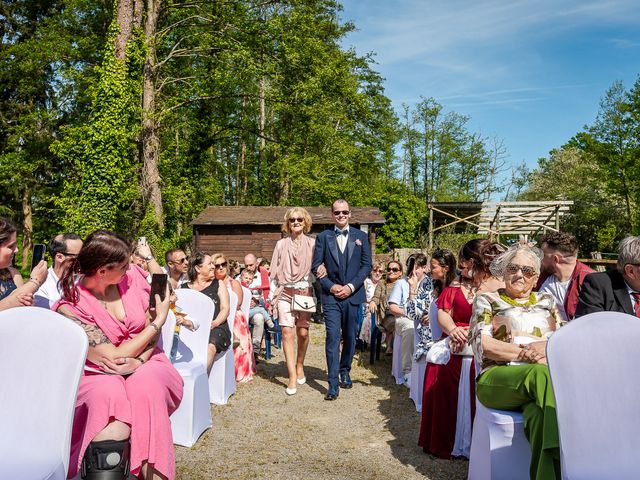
x: 236, y: 231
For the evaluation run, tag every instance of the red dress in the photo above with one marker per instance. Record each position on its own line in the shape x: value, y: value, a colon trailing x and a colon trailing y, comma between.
x: 441, y: 384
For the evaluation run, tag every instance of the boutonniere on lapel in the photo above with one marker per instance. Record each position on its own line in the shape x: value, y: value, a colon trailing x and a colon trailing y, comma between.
x: 358, y: 242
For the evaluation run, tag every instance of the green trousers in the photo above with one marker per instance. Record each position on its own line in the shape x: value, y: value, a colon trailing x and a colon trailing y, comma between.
x: 527, y: 388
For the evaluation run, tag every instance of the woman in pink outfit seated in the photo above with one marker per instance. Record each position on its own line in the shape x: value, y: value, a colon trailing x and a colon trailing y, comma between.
x: 129, y: 387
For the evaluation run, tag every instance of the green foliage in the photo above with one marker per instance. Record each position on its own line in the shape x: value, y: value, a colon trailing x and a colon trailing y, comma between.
x: 102, y: 187
x: 404, y: 214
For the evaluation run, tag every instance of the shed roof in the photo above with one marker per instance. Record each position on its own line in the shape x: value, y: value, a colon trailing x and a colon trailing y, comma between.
x: 246, y: 215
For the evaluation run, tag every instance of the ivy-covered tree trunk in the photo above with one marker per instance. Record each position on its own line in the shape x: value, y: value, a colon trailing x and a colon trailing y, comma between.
x: 150, y: 141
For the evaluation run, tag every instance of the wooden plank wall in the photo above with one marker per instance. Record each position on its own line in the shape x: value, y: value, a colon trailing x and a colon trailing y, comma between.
x: 236, y: 242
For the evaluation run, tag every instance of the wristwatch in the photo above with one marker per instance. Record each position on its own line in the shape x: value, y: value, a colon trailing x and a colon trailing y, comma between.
x: 149, y: 258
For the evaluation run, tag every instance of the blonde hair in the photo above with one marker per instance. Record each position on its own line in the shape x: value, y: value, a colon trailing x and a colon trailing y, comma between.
x: 286, y: 228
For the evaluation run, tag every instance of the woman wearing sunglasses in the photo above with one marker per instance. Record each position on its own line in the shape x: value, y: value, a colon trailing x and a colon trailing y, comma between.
x: 202, y: 280
x: 243, y: 355
x: 370, y: 285
x: 290, y: 270
x: 509, y: 330
x: 385, y: 320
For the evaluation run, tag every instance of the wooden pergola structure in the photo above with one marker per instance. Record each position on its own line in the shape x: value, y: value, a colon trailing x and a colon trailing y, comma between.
x: 497, y: 218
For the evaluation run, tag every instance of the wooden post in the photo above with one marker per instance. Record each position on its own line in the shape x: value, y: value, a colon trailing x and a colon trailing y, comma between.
x: 430, y: 229
x: 558, y: 218
x: 498, y: 224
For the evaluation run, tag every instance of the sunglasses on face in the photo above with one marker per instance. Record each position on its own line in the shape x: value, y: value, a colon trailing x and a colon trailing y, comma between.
x: 527, y: 271
x: 220, y: 265
x: 393, y: 270
x: 181, y: 261
x: 378, y: 270
x: 298, y: 220
x: 341, y: 212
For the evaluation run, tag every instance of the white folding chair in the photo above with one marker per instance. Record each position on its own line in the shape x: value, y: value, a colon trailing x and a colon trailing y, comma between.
x: 193, y: 416
x: 222, y: 378
x: 596, y: 383
x: 44, y: 356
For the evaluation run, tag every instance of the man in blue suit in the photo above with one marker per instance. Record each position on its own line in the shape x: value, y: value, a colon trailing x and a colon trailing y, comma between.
x: 346, y: 255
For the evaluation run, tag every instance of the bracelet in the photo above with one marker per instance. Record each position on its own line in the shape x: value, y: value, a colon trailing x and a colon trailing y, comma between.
x: 148, y: 259
x: 140, y: 359
x: 155, y: 327
x: 35, y: 281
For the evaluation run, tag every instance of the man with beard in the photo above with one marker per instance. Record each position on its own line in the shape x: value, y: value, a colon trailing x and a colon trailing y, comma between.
x: 562, y: 274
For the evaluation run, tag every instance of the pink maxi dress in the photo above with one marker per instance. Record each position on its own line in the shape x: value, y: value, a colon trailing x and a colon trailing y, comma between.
x: 143, y: 400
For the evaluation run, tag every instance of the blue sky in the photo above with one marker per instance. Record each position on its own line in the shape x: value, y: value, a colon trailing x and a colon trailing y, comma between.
x: 529, y: 72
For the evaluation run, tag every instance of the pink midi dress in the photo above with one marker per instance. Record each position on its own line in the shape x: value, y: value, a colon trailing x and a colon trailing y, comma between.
x: 143, y: 400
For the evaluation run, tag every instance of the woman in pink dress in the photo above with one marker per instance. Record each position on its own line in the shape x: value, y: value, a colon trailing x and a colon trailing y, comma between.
x: 129, y: 388
x: 445, y: 429
x: 290, y: 270
x: 243, y: 350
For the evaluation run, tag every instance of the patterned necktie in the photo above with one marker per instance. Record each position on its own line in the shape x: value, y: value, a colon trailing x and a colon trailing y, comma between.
x: 341, y: 232
x: 636, y: 303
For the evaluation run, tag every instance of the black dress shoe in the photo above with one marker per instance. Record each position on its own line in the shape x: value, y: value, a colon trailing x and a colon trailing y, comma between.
x: 345, y: 381
x: 332, y: 394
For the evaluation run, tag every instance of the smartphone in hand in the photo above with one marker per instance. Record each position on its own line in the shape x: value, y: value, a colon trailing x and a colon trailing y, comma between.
x: 411, y: 262
x: 38, y: 254
x: 158, y: 286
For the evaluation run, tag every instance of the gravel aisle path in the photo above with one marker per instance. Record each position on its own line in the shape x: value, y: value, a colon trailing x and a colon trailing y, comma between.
x: 369, y: 432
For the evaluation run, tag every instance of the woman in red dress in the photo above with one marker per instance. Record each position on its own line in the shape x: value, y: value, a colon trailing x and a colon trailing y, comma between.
x: 445, y: 429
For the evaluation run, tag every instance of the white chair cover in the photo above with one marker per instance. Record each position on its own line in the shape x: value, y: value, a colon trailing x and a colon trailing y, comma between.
x: 222, y: 378
x: 44, y: 356
x: 436, y: 329
x: 419, y: 367
x: 499, y: 449
x: 166, y: 336
x: 416, y: 387
x: 193, y: 416
x: 246, y: 302
x: 396, y: 360
x: 596, y: 383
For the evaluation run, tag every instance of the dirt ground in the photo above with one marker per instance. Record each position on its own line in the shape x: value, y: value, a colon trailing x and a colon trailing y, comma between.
x: 369, y: 432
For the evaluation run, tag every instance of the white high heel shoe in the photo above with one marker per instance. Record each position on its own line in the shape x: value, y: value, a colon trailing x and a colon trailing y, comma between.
x: 291, y: 391
x: 302, y: 381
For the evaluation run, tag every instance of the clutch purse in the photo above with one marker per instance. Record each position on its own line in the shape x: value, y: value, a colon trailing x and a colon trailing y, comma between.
x: 303, y: 303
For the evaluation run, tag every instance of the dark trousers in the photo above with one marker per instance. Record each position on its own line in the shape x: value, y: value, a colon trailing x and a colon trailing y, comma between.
x: 341, y: 321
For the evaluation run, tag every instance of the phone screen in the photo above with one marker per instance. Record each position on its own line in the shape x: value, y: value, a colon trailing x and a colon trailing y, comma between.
x: 38, y: 254
x: 158, y: 286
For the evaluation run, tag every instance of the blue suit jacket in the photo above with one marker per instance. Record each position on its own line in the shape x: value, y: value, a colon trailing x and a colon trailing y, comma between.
x: 358, y: 264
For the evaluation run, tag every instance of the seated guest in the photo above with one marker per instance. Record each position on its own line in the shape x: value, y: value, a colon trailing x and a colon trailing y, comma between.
x: 384, y: 318
x: 177, y: 263
x: 258, y: 314
x: 202, y: 279
x: 129, y: 388
x: 408, y: 300
x: 61, y: 248
x: 442, y: 273
x: 445, y: 429
x: 562, y: 274
x: 614, y: 290
x: 509, y: 330
x: 13, y: 292
x: 370, y: 285
x: 243, y: 356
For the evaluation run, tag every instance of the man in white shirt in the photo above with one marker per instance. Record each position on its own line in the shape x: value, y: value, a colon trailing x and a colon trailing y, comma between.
x: 61, y: 247
x: 177, y: 265
x: 562, y: 274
